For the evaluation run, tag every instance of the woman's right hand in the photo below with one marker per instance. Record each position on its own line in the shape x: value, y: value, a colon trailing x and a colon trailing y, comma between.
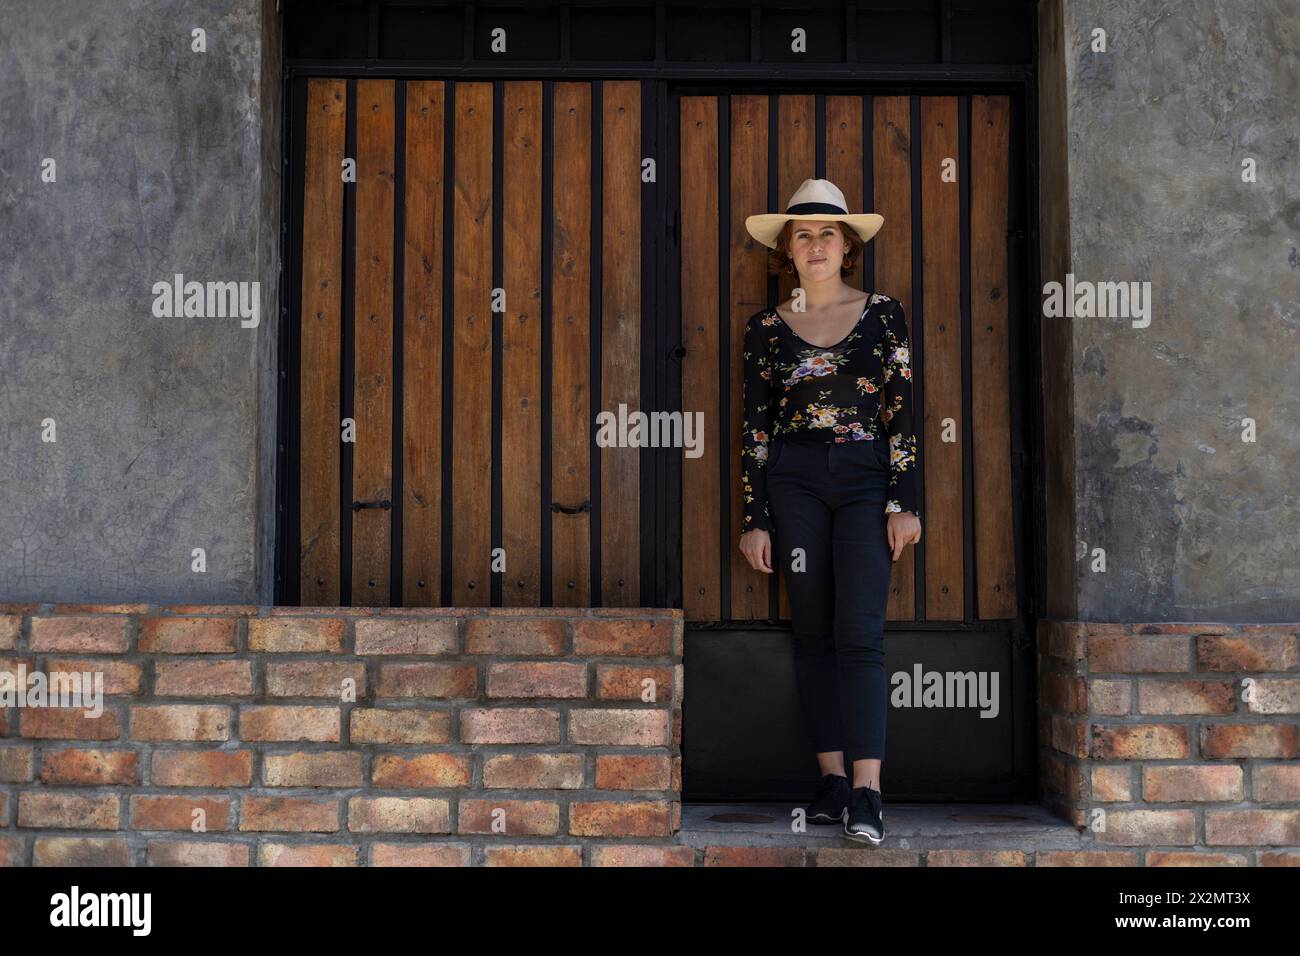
x: 756, y: 546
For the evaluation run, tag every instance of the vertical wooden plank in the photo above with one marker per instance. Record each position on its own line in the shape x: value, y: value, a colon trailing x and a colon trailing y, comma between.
x: 571, y: 419
x: 372, y: 403
x: 748, y: 184
x: 844, y: 160
x: 321, y: 342
x: 796, y: 161
x: 471, y: 466
x: 701, y: 574
x: 521, y: 365
x: 891, y: 139
x: 941, y: 254
x: 995, y: 563
x: 422, y: 347
x: 620, y: 339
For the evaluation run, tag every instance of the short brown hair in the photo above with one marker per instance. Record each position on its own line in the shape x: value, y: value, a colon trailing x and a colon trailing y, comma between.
x: 779, y: 260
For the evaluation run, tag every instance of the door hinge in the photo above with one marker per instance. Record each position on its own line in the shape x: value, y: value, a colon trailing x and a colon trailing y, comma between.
x: 383, y: 503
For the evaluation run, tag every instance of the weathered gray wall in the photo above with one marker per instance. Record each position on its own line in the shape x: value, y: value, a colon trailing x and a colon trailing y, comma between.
x: 1195, y: 523
x: 167, y: 161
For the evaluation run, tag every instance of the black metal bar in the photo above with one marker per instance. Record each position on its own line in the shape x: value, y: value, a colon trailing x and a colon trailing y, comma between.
x: 649, y: 537
x: 347, y: 355
x: 496, y: 579
x: 939, y: 75
x: 945, y: 31
x: 672, y: 370
x: 396, y: 597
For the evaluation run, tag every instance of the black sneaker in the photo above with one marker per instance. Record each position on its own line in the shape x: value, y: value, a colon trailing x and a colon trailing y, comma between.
x: 866, y: 818
x: 831, y: 803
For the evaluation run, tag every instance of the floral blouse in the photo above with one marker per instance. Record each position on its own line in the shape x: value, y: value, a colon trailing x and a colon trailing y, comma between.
x: 794, y: 388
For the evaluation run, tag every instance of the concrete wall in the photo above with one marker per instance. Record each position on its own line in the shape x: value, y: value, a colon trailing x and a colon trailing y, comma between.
x: 1196, y: 524
x: 167, y: 161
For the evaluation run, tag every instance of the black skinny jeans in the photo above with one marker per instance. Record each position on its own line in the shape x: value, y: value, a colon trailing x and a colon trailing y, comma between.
x: 828, y: 499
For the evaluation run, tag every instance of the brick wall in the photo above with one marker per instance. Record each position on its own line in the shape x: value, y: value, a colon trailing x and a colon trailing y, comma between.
x: 474, y: 737
x: 1172, y: 736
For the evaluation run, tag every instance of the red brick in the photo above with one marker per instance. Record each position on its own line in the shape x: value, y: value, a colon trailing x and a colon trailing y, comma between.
x: 976, y: 858
x: 203, y: 679
x: 120, y: 677
x: 13, y: 851
x: 620, y: 818
x: 428, y: 680
x: 423, y: 638
x: 1140, y: 742
x: 754, y: 856
x: 878, y: 856
x: 222, y: 610
x: 505, y: 817
x: 1252, y: 827
x: 1185, y: 697
x: 90, y: 767
x: 122, y: 609
x: 516, y: 637
x: 47, y: 809
x: 547, y: 856
x: 305, y: 635
x: 16, y: 764
x: 419, y: 854
x: 1064, y: 693
x: 509, y: 725
x: 81, y: 851
x: 1069, y: 736
x: 399, y: 771
x: 84, y: 635
x: 315, y: 854
x: 1109, y: 697
x: 552, y: 679
x: 1063, y: 641
x: 1193, y: 858
x: 1257, y: 652
x: 67, y: 723
x: 149, y: 812
x: 337, y: 768
x: 1086, y: 858
x: 624, y: 638
x: 630, y: 854
x: 202, y: 768
x: 187, y: 635
x: 525, y: 771
x: 1272, y: 696
x: 633, y: 772
x: 197, y: 853
x: 1112, y: 784
x: 1214, y: 782
x: 315, y: 678
x: 289, y: 815
x: 1148, y: 828
x: 398, y: 815
x: 1278, y: 858
x: 405, y: 726
x: 1123, y: 654
x: 1251, y: 740
x: 10, y: 628
x: 320, y: 724
x: 180, y: 722
x: 628, y: 682
x: 619, y: 727
x: 1277, y: 783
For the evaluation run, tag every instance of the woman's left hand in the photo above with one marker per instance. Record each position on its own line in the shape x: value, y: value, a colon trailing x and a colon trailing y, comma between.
x: 903, y: 528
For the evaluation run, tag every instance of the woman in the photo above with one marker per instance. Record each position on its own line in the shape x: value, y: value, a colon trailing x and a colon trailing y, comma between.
x: 827, y: 381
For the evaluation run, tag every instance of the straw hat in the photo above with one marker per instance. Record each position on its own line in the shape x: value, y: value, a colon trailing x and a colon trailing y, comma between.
x: 818, y: 199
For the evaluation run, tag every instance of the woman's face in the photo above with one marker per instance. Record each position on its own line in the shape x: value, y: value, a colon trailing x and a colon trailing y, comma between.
x: 817, y: 248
